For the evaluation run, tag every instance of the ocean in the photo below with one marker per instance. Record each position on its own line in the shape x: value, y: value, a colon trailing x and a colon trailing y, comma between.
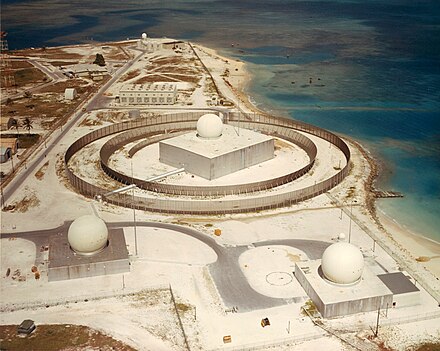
x: 366, y: 69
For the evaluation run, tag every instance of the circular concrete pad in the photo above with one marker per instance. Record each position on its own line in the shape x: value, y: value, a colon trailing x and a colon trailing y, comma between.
x: 270, y: 270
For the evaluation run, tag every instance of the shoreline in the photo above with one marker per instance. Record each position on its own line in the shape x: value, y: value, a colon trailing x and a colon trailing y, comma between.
x: 424, y: 250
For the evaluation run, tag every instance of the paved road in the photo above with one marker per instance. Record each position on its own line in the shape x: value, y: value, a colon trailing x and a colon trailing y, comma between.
x: 229, y: 279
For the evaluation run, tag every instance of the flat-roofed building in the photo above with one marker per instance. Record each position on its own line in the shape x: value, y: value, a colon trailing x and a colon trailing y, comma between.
x: 148, y: 94
x: 11, y: 143
x: 216, y: 149
x: 86, y: 70
x: 70, y: 93
x: 5, y: 154
x: 405, y: 293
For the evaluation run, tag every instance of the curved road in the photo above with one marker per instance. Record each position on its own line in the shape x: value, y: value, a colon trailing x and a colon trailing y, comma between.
x: 229, y: 279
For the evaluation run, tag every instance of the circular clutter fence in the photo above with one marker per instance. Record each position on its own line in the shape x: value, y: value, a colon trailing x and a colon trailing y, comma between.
x: 157, y: 128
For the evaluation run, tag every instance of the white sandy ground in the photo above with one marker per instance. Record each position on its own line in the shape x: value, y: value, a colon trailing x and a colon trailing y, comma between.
x: 168, y: 258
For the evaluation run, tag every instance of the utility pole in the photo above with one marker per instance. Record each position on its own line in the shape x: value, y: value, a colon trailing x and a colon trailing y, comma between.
x: 351, y: 214
x: 377, y: 323
x: 2, y: 198
x: 12, y: 162
x: 134, y: 212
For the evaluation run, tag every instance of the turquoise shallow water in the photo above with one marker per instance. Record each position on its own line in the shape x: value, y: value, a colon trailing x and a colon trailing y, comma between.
x: 370, y: 70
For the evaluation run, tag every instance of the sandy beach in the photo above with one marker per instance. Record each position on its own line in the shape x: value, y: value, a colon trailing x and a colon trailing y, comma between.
x: 425, y: 251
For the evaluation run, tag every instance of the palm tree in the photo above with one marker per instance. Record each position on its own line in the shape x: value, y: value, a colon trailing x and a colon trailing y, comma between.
x: 15, y: 124
x: 27, y: 124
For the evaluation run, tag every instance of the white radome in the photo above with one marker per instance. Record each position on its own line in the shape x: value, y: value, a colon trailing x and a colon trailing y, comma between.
x: 87, y: 235
x: 144, y: 35
x: 209, y: 126
x: 342, y: 263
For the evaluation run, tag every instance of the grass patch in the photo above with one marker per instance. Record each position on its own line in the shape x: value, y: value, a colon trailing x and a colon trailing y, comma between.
x: 152, y: 298
x: 59, y: 337
x: 24, y: 140
x: 62, y: 63
x: 27, y: 202
x: 310, y: 307
x: 182, y: 307
x: 20, y: 64
x: 429, y: 346
x: 130, y: 75
x: 40, y: 173
x: 28, y: 75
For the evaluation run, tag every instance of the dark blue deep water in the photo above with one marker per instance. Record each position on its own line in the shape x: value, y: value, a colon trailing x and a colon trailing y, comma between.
x: 368, y: 69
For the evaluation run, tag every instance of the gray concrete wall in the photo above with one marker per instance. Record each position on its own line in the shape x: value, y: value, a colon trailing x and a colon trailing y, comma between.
x: 356, y: 306
x: 178, y: 157
x: 407, y: 299
x: 343, y: 308
x: 242, y: 158
x: 88, y: 270
x: 301, y: 277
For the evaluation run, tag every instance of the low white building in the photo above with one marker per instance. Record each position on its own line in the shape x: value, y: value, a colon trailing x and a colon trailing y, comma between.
x: 70, y: 93
x: 86, y: 70
x: 148, y: 44
x: 148, y: 94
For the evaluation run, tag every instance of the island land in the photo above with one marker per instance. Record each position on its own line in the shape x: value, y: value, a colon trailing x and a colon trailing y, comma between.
x: 196, y: 282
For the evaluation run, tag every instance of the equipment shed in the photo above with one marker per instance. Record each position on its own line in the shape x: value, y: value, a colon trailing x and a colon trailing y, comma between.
x: 70, y: 93
x: 405, y: 293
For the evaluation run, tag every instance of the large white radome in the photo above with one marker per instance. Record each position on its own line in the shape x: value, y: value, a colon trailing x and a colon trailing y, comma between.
x: 209, y: 126
x: 342, y: 263
x: 87, y: 235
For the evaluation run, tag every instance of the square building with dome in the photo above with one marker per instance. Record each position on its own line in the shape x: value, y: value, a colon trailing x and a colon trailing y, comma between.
x: 216, y: 149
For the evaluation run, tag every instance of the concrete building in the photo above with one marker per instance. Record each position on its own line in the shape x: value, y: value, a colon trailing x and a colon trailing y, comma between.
x: 405, y: 293
x: 11, y: 143
x: 148, y: 94
x: 88, y: 249
x: 215, y: 150
x: 89, y: 70
x: 147, y: 44
x: 26, y: 327
x: 340, y: 285
x: 5, y: 154
x: 70, y: 93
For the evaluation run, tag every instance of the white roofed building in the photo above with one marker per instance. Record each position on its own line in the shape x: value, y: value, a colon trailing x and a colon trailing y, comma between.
x: 148, y: 94
x: 70, y: 93
x: 86, y: 70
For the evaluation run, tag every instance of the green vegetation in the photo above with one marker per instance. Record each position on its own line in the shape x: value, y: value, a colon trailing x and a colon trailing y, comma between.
x: 58, y: 337
x: 27, y: 124
x: 429, y: 346
x: 310, y: 307
x: 181, y: 307
x: 99, y: 60
x: 24, y: 140
x: 28, y: 76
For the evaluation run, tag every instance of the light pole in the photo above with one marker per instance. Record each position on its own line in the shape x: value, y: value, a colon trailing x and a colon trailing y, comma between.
x: 2, y: 198
x: 351, y: 214
x: 12, y: 162
x: 134, y: 211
